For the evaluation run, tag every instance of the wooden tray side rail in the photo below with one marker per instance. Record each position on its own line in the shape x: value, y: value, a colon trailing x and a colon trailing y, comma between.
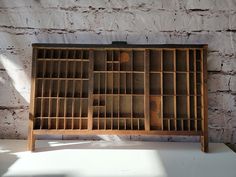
x: 120, y: 90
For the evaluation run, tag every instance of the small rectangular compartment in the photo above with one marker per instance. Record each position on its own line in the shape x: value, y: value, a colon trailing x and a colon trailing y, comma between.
x: 53, y: 107
x: 109, y: 84
x: 101, y: 124
x: 108, y: 124
x: 61, y: 124
x: 99, y: 60
x: 48, y: 69
x: 41, y: 66
x: 155, y: 60
x: 168, y: 84
x: 181, y: 107
x: 115, y: 106
x: 168, y: 60
x: 53, y: 124
x: 125, y: 106
x: 55, y: 69
x: 84, y: 124
x: 62, y: 87
x: 44, y: 124
x: 115, y: 83
x: 181, y: 83
x: 116, y: 55
x: 77, y: 108
x: 71, y: 69
x: 85, y: 89
x: 138, y: 106
x: 191, y: 83
x: 69, y: 107
x: 63, y: 69
x: 168, y: 106
x: 155, y: 113
x: 191, y: 60
x: 56, y: 54
x: 71, y: 54
x: 61, y: 108
x: 84, y: 105
x: 109, y: 55
x: 155, y: 84
x: 76, y: 124
x: 109, y: 106
x: 125, y: 61
x: 122, y: 83
x: 115, y: 124
x: 77, y: 89
x: 181, y: 60
x: 85, y: 73
x: 138, y: 83
x: 48, y: 53
x: 85, y: 54
x: 129, y: 86
x: 64, y: 54
x: 138, y: 60
x: 68, y: 124
x: 102, y: 83
x: 47, y: 88
x: 40, y: 53
x: 70, y: 84
x: 78, y: 54
x: 78, y: 69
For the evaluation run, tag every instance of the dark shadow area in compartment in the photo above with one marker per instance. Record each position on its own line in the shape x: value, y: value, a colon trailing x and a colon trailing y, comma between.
x: 71, y: 54
x: 44, y: 123
x: 86, y: 54
x: 78, y: 54
x: 109, y: 84
x: 84, y: 109
x: 77, y: 108
x: 56, y: 54
x: 76, y: 124
x: 138, y: 106
x: 62, y: 87
x: 77, y: 90
x: 53, y: 124
x: 109, y: 67
x: 115, y: 83
x: 61, y: 107
x: 64, y: 54
x: 70, y: 88
x: 48, y: 69
x: 85, y: 89
x: 61, y: 123
x: 116, y: 55
x: 155, y: 113
x: 115, y: 124
x: 99, y: 60
x: 101, y: 124
x: 138, y: 83
x: 85, y: 71
x: 129, y: 83
x: 109, y: 106
x: 45, y: 107
x: 121, y: 124
x: 138, y: 60
x: 69, y: 107
x: 191, y: 60
x: 46, y: 89
x: 96, y: 83
x: 95, y: 124
x: 38, y: 107
x: 181, y: 60
x: 108, y: 124
x: 181, y: 105
x: 40, y: 68
x: 53, y: 107
x: 48, y: 53
x: 122, y: 83
x: 55, y: 69
x: 192, y: 107
x: 125, y: 106
x: 181, y: 83
x: 125, y: 61
x: 102, y: 83
x: 68, y: 124
x: 155, y: 84
x: 40, y: 53
x: 191, y: 83
x: 168, y: 106
x: 109, y: 55
x: 39, y: 85
x: 168, y: 60
x: 115, y: 106
x: 168, y: 83
x: 71, y: 69
x: 155, y: 60
x: 63, y: 69
x: 128, y: 124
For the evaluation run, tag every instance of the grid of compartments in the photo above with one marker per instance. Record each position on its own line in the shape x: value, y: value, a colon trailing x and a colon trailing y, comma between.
x: 61, y: 89
x: 118, y: 93
x: 176, y: 89
x: 119, y: 89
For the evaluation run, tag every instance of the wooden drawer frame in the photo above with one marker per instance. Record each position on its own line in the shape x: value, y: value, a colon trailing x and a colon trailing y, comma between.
x: 119, y: 89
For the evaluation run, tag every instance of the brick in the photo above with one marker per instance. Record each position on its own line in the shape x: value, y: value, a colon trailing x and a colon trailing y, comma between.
x: 214, y: 62
x: 218, y: 82
x: 216, y: 21
x: 229, y: 66
x: 233, y: 83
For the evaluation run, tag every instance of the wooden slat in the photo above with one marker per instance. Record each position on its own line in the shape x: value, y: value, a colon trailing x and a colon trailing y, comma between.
x: 195, y: 91
x: 118, y: 91
x: 146, y: 90
x: 66, y: 88
x: 161, y: 78
x: 175, y: 105
x: 50, y: 94
x: 132, y: 89
x: 90, y: 90
x: 204, y: 139
x: 73, y: 93
x: 188, y: 90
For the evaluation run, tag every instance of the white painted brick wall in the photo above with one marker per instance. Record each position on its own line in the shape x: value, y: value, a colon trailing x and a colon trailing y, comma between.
x: 24, y: 22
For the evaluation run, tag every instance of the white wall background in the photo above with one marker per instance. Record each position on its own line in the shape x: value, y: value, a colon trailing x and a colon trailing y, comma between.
x: 24, y: 22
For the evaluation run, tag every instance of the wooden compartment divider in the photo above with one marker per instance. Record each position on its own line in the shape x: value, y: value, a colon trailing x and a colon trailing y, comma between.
x: 119, y: 89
